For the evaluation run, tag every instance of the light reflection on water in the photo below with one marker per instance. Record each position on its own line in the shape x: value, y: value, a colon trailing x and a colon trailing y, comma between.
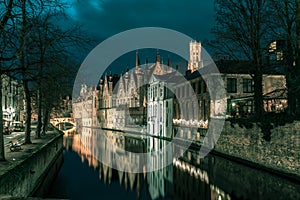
x: 188, y: 177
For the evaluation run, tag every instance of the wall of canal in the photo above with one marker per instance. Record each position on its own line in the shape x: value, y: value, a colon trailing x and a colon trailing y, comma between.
x: 281, y: 153
x: 27, y: 175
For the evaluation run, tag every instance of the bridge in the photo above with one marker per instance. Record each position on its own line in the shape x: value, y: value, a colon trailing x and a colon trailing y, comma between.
x: 56, y: 121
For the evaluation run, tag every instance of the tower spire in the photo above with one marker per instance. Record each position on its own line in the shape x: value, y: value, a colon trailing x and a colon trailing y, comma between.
x: 147, y: 62
x: 169, y: 66
x: 137, y: 60
x: 157, y: 57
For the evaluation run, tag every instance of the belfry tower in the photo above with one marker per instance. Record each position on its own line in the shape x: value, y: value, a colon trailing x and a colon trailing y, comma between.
x: 195, y: 61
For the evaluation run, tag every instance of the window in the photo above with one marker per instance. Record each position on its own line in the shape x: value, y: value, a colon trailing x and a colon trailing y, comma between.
x: 248, y: 85
x: 160, y: 112
x: 5, y: 101
x: 249, y: 107
x: 160, y: 133
x: 231, y: 85
x: 167, y: 120
x: 279, y: 55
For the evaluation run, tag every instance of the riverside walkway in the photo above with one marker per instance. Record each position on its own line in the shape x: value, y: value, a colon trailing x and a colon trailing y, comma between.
x: 30, y: 156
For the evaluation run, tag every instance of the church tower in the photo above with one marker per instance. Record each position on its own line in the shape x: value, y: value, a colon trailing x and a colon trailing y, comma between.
x: 195, y: 61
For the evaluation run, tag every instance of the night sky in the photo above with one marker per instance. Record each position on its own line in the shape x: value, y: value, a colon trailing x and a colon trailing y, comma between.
x: 104, y: 18
x: 101, y: 19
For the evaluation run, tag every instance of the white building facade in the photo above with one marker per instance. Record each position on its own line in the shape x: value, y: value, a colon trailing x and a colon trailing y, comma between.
x: 160, y: 106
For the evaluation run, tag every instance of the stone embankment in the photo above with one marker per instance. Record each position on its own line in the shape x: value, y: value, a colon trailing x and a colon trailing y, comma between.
x: 282, y: 153
x: 34, y: 165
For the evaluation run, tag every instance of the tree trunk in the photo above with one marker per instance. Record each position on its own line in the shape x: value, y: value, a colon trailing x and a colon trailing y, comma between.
x: 298, y: 53
x: 258, y: 96
x: 2, y: 148
x: 28, y: 112
x: 23, y: 66
x: 291, y: 94
x: 39, y: 122
x: 258, y: 79
x: 291, y: 74
x: 46, y: 120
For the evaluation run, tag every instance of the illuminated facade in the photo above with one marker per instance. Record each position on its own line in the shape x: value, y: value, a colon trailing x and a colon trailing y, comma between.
x: 12, y: 100
x: 195, y: 61
x: 160, y: 105
x: 84, y: 107
x: 150, y: 96
x: 123, y: 100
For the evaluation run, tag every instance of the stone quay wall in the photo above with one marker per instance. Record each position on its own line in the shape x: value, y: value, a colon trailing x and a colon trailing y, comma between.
x: 282, y: 153
x: 25, y: 176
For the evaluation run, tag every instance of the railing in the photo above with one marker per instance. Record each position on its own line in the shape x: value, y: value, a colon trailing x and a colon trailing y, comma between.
x: 191, y: 123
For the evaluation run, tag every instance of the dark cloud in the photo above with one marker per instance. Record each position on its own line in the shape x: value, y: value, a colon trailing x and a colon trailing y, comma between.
x: 104, y: 18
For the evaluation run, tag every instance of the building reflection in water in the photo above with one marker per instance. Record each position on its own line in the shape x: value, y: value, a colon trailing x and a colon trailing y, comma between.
x: 188, y: 177
x: 91, y: 145
x: 177, y: 180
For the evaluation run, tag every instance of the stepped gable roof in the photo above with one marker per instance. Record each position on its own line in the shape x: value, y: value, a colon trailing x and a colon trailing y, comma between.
x: 114, y: 79
x: 153, y: 68
x: 134, y: 76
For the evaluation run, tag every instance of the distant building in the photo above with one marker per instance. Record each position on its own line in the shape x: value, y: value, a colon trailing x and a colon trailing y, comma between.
x: 12, y: 100
x: 277, y: 51
x: 195, y: 62
x: 83, y: 107
x: 240, y: 88
x: 64, y: 109
x: 160, y: 98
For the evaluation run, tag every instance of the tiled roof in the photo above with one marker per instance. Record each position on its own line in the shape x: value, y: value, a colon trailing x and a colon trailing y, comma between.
x: 173, y: 77
x: 245, y: 67
x: 280, y: 93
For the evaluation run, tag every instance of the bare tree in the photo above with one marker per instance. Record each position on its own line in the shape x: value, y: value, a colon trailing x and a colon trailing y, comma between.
x: 30, y: 43
x: 5, y: 20
x: 41, y: 43
x: 51, y: 47
x: 298, y: 45
x: 285, y: 29
x: 241, y: 32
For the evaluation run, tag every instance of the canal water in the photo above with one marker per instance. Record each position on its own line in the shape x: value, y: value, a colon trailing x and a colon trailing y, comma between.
x: 83, y: 176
